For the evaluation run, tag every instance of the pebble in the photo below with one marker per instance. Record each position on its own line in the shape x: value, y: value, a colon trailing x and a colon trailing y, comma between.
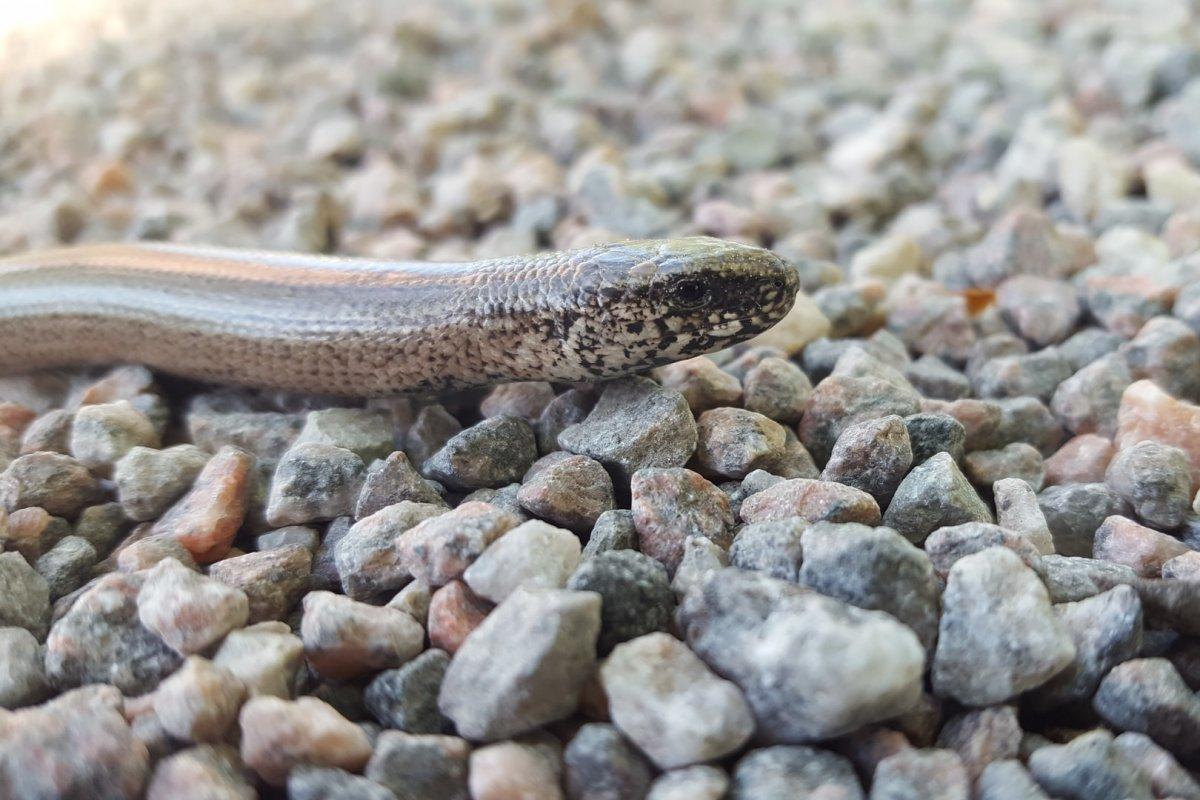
x: 1107, y: 630
x: 614, y: 530
x: 67, y: 565
x: 365, y: 432
x: 1122, y: 541
x: 525, y: 399
x: 56, y: 483
x: 439, y: 549
x: 636, y: 424
x: 840, y: 401
x: 299, y: 535
x: 1183, y: 567
x: 565, y: 410
x: 775, y: 388
x: 670, y: 705
x: 572, y: 492
x: 433, y: 427
x: 145, y: 553
x: 1042, y: 310
x: 102, y: 525
x: 103, y: 433
x: 331, y: 783
x: 532, y: 554
x: 279, y: 735
x: 814, y: 500
x: 22, y: 676
x: 264, y: 657
x: 1075, y: 511
x: 1166, y: 351
x: 207, y: 518
x: 932, y: 433
x: 690, y: 783
x: 770, y: 547
x: 55, y: 735
x: 49, y: 433
x: 700, y: 556
x: 454, y: 612
x: 1088, y: 766
x: 406, y: 698
x: 600, y: 764
x: 635, y: 591
x: 1083, y: 459
x: 32, y: 532
x: 391, y: 481
x: 873, y: 568
x: 273, y: 580
x: 873, y: 456
x: 702, y: 383
x: 213, y: 771
x: 1155, y: 480
x: 982, y: 736
x: 947, y: 545
x: 1148, y: 412
x: 1167, y: 777
x: 265, y: 434
x: 199, y: 702
x: 150, y: 481
x: 1147, y: 695
x: 783, y: 772
x: 783, y: 646
x: 933, y: 495
x: 1017, y: 510
x: 346, y: 639
x: 101, y: 640
x: 672, y: 504
x: 367, y: 557
x: 915, y: 774
x: 492, y: 453
x: 933, y: 377
x: 524, y: 666
x: 513, y: 770
x: 998, y: 635
x: 314, y: 481
x: 1008, y: 780
x: 421, y: 766
x: 732, y: 442
x: 188, y: 611
x: 1018, y: 460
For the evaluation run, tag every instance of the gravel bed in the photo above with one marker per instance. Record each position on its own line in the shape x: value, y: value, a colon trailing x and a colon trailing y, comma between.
x: 936, y: 535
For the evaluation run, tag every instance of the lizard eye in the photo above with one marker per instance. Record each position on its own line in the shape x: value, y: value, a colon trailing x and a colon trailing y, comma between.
x: 690, y: 293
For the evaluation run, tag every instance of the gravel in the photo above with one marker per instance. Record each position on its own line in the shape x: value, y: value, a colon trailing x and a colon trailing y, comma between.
x: 935, y: 534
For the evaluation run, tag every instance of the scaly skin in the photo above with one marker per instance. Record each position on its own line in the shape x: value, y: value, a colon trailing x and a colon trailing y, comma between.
x: 360, y: 327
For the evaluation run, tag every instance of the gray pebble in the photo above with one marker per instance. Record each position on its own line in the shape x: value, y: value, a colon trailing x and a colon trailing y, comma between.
x: 331, y: 783
x: 933, y: 377
x: 635, y: 424
x: 783, y: 645
x: 918, y: 774
x: 1088, y: 767
x: 841, y: 401
x: 776, y: 388
x: 873, y: 455
x: 1148, y: 695
x: 933, y: 495
x: 150, y: 481
x: 22, y: 676
x: 67, y: 565
x: 600, y: 764
x: 58, y: 483
x: 770, y: 547
x: 614, y: 530
x: 433, y: 427
x: 314, y: 482
x: 391, y: 481
x: 1087, y: 402
x: 873, y: 568
x: 406, y: 698
x: 1008, y: 780
x: 573, y: 492
x: 1155, y: 479
x: 366, y: 556
x: 635, y: 593
x: 690, y: 783
x: 365, y: 432
x: 25, y: 601
x: 524, y: 666
x: 1075, y: 511
x: 420, y: 766
x: 1167, y: 777
x: 933, y: 433
x: 998, y: 635
x: 788, y: 772
x: 492, y: 453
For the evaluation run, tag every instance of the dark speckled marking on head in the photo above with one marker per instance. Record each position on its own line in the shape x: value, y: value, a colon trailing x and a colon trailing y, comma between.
x: 359, y: 327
